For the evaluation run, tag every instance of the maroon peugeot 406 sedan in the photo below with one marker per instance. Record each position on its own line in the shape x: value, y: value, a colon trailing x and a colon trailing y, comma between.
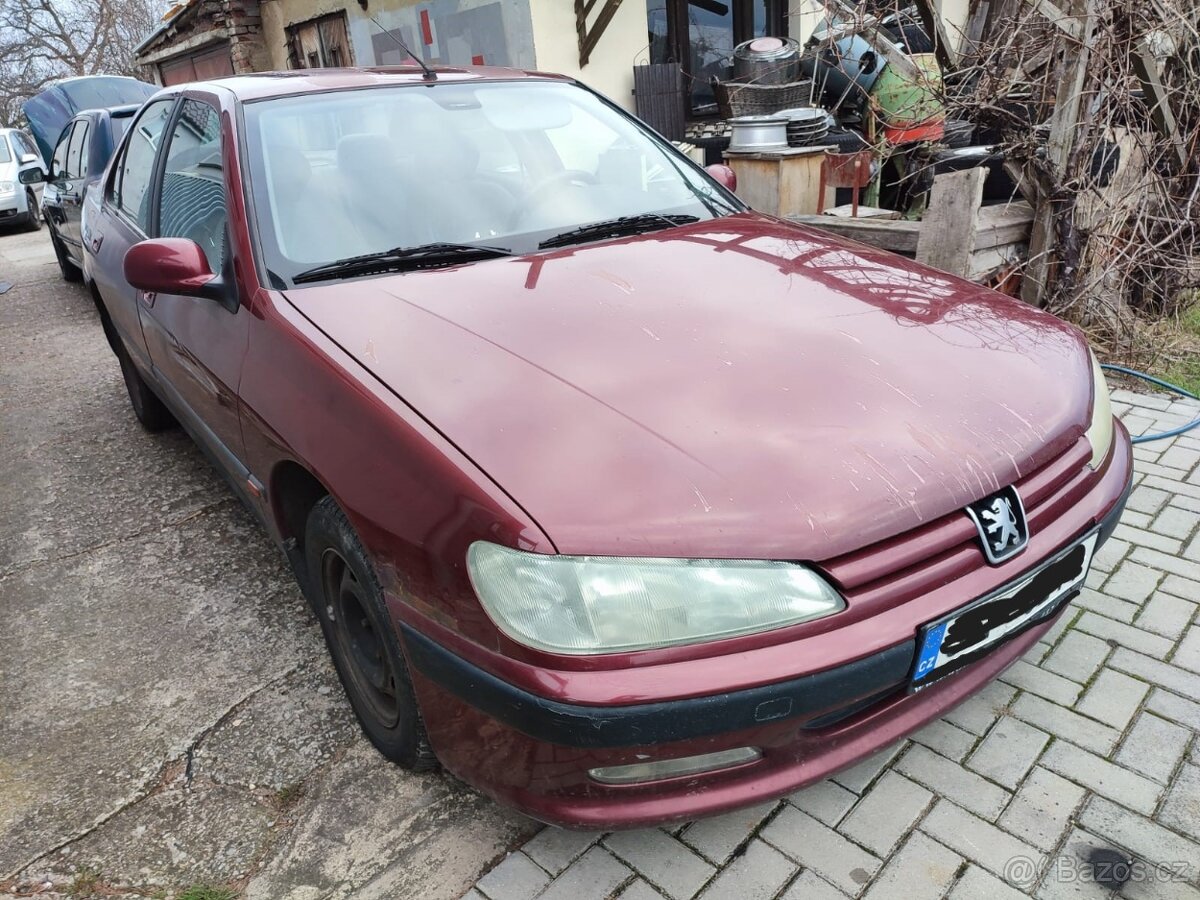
x: 622, y: 502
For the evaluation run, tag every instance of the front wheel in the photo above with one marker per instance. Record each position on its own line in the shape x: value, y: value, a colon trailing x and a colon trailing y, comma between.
x: 34, y: 212
x: 349, y: 604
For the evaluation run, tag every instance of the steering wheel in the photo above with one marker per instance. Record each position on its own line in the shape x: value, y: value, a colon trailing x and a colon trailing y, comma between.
x: 533, y: 198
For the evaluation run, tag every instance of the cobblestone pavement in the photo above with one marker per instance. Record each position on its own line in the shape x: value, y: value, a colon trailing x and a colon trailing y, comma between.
x: 1086, y: 745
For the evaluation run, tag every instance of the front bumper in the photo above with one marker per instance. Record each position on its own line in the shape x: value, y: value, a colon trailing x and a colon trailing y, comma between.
x: 532, y: 749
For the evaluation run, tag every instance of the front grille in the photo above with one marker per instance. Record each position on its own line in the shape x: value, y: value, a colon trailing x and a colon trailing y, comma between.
x: 908, y: 565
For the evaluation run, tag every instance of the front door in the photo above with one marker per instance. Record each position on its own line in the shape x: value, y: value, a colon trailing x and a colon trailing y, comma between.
x: 52, y: 204
x: 196, y: 345
x: 70, y: 195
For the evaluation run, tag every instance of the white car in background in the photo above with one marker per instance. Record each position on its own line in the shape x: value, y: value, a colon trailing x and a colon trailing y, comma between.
x: 19, y: 203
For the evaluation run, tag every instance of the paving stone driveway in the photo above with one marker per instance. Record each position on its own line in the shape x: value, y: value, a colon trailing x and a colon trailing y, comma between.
x: 1086, y: 745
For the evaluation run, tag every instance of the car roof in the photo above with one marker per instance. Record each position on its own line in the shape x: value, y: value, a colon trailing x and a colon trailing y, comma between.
x: 127, y: 109
x: 262, y: 85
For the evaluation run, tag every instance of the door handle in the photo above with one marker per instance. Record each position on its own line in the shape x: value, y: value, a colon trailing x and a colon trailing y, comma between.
x: 96, y: 242
x: 148, y: 297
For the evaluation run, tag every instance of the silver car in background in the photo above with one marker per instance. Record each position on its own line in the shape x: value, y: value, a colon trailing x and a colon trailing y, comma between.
x: 20, y: 204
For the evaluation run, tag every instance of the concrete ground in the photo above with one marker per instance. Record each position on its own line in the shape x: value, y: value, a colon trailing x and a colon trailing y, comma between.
x: 168, y: 714
x: 168, y: 718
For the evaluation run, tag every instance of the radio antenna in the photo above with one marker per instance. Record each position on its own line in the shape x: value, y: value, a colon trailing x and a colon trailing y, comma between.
x: 429, y: 75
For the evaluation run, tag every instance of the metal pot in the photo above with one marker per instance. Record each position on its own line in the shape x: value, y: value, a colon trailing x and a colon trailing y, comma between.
x: 758, y: 133
x: 767, y: 60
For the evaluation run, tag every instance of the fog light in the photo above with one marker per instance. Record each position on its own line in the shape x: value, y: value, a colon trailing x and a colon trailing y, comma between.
x: 673, y: 768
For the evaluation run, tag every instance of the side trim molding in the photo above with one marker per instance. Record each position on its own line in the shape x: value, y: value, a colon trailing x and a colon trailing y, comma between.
x: 575, y: 725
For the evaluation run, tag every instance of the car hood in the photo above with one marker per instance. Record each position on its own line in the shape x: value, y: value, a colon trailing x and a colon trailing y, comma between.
x: 48, y: 112
x: 735, y: 388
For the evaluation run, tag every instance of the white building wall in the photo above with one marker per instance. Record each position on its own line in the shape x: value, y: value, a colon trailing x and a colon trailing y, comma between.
x: 624, y: 44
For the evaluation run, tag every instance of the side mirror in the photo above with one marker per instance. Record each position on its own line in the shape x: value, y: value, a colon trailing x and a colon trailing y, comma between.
x: 723, y: 175
x: 31, y: 176
x: 28, y: 158
x: 172, y: 266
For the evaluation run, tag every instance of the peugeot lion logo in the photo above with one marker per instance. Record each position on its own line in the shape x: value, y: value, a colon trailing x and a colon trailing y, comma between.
x: 1000, y: 520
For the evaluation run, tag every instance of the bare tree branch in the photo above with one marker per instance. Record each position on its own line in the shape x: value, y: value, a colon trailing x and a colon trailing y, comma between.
x: 44, y: 40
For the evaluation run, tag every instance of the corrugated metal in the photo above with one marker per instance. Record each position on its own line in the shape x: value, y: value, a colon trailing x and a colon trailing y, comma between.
x: 660, y: 98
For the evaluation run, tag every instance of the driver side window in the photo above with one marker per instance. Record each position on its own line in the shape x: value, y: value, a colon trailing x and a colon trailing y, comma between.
x: 192, y: 200
x: 58, y: 168
x: 132, y: 186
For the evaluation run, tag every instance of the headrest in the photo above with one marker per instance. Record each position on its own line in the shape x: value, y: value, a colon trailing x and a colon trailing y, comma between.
x: 290, y: 168
x: 364, y: 155
x: 443, y: 155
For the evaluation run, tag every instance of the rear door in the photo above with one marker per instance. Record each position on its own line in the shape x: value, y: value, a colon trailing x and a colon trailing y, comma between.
x: 196, y: 345
x: 124, y: 220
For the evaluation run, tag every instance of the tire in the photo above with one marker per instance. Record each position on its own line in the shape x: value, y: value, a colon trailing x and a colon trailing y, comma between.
x: 348, y: 602
x: 70, y: 271
x: 150, y: 411
x: 34, y: 214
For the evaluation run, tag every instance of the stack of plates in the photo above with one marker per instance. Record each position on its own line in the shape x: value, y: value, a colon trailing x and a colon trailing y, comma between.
x: 806, y: 125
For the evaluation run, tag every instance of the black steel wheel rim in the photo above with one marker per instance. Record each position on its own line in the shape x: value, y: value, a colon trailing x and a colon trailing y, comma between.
x: 359, y: 643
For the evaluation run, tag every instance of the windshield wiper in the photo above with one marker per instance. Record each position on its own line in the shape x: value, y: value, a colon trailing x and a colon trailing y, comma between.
x: 621, y: 227
x: 401, y: 259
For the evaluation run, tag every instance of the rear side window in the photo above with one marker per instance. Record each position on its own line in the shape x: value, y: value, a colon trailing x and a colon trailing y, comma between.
x: 192, y: 200
x: 22, y: 145
x: 132, y: 188
x: 117, y: 126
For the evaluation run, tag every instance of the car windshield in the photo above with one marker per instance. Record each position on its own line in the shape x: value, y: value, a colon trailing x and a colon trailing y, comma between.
x: 4, y: 155
x: 503, y: 164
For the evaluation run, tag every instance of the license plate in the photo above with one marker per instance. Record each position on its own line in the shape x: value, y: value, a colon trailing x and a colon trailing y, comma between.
x: 975, y: 630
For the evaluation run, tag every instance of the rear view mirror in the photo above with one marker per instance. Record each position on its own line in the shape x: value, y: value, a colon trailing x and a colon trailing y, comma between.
x: 31, y: 176
x: 172, y: 266
x: 28, y: 158
x: 722, y: 175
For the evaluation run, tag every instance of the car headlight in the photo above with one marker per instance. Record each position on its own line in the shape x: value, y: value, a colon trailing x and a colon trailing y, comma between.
x: 7, y: 187
x: 1100, y: 431
x: 602, y: 604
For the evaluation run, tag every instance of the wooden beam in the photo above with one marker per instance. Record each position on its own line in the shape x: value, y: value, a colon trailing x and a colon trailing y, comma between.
x: 897, y: 235
x: 931, y: 21
x: 589, y: 37
x: 1068, y: 102
x: 1005, y: 224
x: 948, y: 229
x: 1161, y: 114
x: 1069, y: 25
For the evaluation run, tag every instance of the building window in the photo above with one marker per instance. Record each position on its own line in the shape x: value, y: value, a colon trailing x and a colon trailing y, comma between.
x: 701, y: 35
x: 319, y: 43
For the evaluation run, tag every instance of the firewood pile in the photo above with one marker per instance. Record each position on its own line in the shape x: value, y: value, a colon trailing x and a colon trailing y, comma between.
x: 1095, y: 106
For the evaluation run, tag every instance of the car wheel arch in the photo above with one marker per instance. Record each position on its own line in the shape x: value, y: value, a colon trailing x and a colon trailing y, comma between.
x: 293, y: 491
x: 110, y: 331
